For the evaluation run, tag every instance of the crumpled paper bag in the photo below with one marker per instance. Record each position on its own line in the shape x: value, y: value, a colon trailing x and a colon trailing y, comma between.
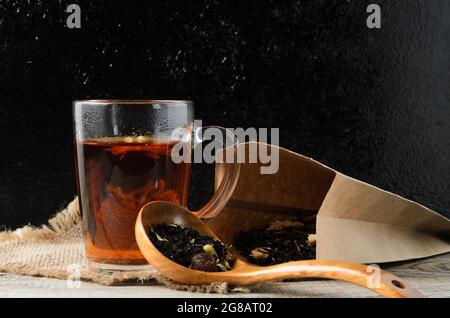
x: 356, y: 222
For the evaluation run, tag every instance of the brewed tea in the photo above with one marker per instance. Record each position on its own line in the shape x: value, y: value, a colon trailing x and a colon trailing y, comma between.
x: 117, y: 176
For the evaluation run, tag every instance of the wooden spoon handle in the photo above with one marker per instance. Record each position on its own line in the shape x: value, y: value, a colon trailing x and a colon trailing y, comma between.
x: 373, y: 278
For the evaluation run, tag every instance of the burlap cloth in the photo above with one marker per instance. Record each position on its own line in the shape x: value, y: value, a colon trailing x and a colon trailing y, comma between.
x: 56, y: 250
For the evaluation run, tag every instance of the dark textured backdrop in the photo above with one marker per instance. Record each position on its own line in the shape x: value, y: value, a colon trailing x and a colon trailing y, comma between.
x: 373, y: 104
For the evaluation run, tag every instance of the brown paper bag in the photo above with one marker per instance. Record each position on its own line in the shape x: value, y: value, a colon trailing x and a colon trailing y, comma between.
x: 356, y: 222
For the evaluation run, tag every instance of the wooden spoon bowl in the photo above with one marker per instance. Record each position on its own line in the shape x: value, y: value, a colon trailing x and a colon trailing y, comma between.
x: 242, y: 273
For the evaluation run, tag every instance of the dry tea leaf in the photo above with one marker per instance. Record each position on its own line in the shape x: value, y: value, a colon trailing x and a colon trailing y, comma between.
x: 189, y: 248
x: 282, y: 241
x: 279, y: 225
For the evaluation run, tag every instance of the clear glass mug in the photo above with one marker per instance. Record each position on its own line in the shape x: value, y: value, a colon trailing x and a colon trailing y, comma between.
x: 124, y: 159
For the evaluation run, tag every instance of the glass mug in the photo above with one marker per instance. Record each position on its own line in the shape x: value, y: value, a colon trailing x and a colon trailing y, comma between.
x: 123, y: 161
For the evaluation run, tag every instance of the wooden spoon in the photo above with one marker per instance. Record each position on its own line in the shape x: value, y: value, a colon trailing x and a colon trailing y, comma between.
x: 242, y: 273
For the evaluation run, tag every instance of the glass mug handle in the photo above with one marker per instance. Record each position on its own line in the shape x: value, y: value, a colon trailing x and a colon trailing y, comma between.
x: 228, y: 177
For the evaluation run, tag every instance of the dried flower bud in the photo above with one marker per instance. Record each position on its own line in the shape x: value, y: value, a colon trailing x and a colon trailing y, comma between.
x: 204, y: 262
x: 208, y: 248
x: 311, y: 239
x: 258, y: 253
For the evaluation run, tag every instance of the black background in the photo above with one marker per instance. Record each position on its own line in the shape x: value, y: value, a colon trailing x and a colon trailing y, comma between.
x: 373, y: 104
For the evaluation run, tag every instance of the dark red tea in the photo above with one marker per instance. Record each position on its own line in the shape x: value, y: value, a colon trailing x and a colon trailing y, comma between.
x: 117, y: 176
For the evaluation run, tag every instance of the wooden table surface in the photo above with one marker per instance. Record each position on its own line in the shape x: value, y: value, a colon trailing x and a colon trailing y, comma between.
x: 431, y: 276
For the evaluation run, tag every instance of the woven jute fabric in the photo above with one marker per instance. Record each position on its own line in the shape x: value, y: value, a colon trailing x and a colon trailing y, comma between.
x: 56, y: 250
